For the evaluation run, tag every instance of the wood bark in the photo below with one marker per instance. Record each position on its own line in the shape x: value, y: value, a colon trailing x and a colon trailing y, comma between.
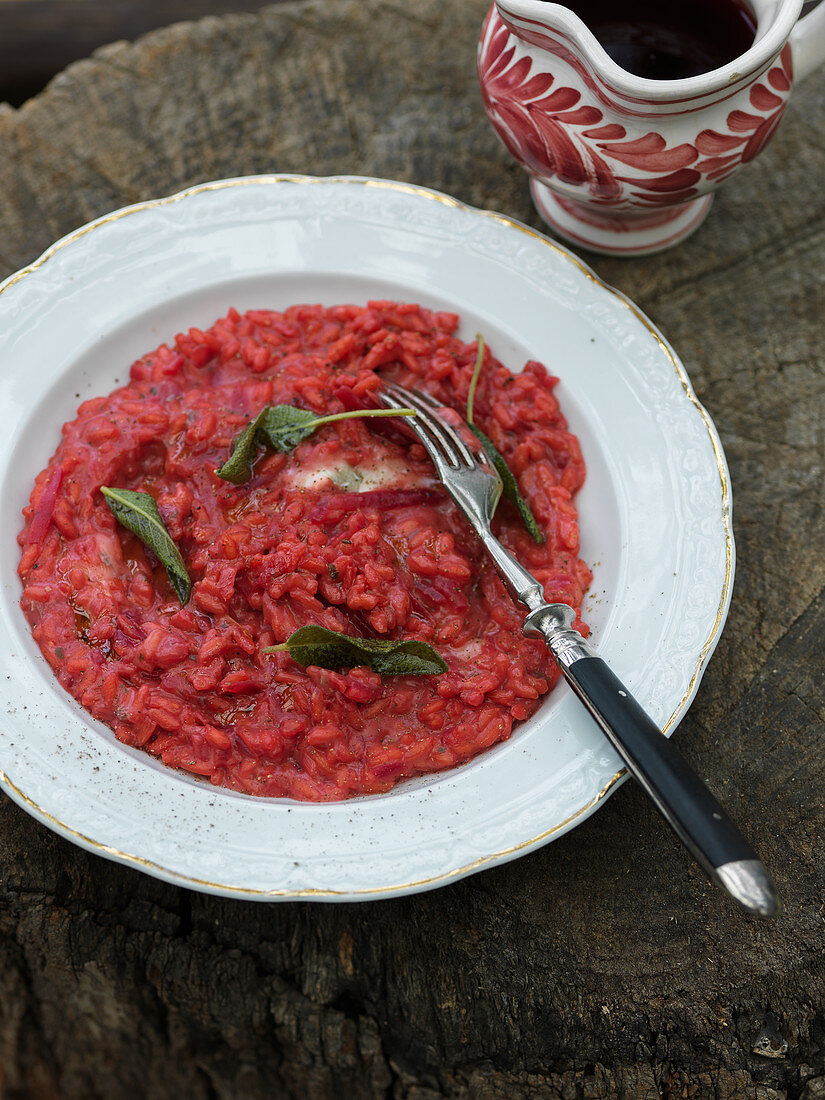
x: 602, y: 965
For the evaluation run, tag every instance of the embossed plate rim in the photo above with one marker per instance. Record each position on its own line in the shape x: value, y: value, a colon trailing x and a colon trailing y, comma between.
x: 385, y: 208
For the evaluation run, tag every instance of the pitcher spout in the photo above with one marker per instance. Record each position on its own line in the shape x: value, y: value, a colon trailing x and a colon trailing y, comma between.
x: 540, y: 13
x: 552, y: 27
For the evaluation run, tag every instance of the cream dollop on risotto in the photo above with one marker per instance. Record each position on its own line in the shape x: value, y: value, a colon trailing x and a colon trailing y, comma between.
x: 349, y: 531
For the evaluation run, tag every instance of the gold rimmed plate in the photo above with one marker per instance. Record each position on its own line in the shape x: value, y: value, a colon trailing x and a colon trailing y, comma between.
x: 654, y: 518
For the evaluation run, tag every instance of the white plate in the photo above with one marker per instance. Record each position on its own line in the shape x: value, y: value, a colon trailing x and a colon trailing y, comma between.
x: 655, y: 520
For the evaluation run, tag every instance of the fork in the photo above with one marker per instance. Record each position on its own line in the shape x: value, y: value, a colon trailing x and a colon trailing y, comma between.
x: 676, y: 790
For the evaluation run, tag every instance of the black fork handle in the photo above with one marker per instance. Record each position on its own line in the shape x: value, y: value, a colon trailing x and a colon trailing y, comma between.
x: 682, y: 798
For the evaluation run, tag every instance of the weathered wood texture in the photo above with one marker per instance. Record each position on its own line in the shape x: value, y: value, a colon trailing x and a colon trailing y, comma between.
x: 602, y: 965
x: 38, y: 38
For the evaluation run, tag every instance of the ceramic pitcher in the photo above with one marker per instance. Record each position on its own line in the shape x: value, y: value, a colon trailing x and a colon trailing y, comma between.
x: 623, y: 164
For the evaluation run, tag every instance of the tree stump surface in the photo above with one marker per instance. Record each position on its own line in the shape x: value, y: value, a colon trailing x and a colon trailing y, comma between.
x: 38, y: 38
x: 602, y: 965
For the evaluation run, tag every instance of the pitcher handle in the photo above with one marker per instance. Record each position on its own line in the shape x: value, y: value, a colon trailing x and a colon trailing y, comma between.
x: 808, y: 42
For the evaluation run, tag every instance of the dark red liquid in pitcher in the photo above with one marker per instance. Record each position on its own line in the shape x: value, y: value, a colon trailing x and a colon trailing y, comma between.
x: 669, y: 39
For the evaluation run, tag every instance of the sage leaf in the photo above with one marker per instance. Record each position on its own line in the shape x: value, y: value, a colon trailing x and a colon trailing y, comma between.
x: 509, y: 485
x: 238, y: 467
x: 315, y: 645
x: 138, y: 513
x: 283, y: 427
x: 471, y: 393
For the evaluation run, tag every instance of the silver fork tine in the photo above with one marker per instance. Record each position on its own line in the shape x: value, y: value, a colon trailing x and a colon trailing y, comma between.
x: 432, y: 441
x: 428, y: 412
x: 480, y: 458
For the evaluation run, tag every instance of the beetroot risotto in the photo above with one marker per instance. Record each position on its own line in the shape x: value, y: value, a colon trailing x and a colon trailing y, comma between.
x: 349, y: 530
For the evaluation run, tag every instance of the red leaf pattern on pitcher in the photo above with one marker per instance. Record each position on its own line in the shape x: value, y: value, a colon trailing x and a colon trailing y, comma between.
x: 557, y: 135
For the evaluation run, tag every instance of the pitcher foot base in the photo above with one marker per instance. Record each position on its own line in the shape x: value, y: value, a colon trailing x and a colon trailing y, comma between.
x: 614, y: 235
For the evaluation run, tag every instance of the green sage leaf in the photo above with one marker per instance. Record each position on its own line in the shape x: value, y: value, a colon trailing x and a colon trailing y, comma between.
x: 471, y: 393
x: 138, y: 513
x: 315, y: 645
x: 238, y: 467
x: 283, y: 427
x: 509, y: 485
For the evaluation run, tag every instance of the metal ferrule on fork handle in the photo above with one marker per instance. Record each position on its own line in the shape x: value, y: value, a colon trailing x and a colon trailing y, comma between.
x: 551, y: 621
x: 554, y: 623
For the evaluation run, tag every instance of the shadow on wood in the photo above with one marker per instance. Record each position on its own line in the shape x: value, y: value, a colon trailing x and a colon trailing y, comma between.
x: 38, y: 38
